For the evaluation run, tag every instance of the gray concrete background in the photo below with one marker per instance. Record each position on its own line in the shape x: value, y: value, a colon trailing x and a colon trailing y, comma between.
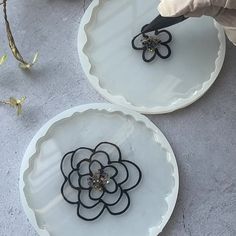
x: 203, y: 135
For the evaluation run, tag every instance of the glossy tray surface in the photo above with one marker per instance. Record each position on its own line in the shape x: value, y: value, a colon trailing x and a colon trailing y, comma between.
x: 118, y: 72
x: 139, y: 140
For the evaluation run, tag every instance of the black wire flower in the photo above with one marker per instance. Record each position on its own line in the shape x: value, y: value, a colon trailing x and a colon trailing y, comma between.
x: 96, y: 181
x: 153, y: 45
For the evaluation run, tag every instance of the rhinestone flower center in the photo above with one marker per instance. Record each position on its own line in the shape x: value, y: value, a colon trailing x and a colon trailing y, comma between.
x: 151, y: 43
x: 99, y: 180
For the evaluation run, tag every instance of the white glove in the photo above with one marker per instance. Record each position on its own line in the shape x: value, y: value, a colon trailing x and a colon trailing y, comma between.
x: 224, y: 11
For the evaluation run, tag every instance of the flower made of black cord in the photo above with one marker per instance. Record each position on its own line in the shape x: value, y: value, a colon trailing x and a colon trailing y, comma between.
x: 98, y: 179
x: 153, y: 45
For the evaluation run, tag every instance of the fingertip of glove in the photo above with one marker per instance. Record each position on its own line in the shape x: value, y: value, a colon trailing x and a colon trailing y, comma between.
x: 164, y: 10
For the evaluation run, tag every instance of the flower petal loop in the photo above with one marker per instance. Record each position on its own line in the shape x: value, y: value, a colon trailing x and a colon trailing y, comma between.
x: 98, y: 182
x: 153, y: 45
x: 80, y: 154
x: 111, y: 149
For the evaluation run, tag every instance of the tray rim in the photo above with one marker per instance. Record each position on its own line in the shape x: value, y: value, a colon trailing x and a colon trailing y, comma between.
x: 121, y: 100
x: 158, y: 135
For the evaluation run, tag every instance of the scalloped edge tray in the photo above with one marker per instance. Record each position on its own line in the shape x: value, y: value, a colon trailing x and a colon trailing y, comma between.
x: 158, y: 137
x: 120, y: 100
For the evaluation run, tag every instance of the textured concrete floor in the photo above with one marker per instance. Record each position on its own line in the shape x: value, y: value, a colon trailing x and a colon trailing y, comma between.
x: 203, y: 135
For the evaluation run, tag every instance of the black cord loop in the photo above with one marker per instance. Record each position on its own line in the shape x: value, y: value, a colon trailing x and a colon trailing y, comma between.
x: 101, y: 185
x: 151, y: 45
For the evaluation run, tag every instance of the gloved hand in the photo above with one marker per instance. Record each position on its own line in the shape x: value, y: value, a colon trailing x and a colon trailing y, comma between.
x: 224, y: 11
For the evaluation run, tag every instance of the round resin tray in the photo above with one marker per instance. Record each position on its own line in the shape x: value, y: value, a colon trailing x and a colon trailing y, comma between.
x: 120, y: 75
x: 139, y: 140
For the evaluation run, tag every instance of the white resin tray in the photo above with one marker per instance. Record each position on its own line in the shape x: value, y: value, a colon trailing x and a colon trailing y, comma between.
x: 140, y: 141
x: 117, y: 71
